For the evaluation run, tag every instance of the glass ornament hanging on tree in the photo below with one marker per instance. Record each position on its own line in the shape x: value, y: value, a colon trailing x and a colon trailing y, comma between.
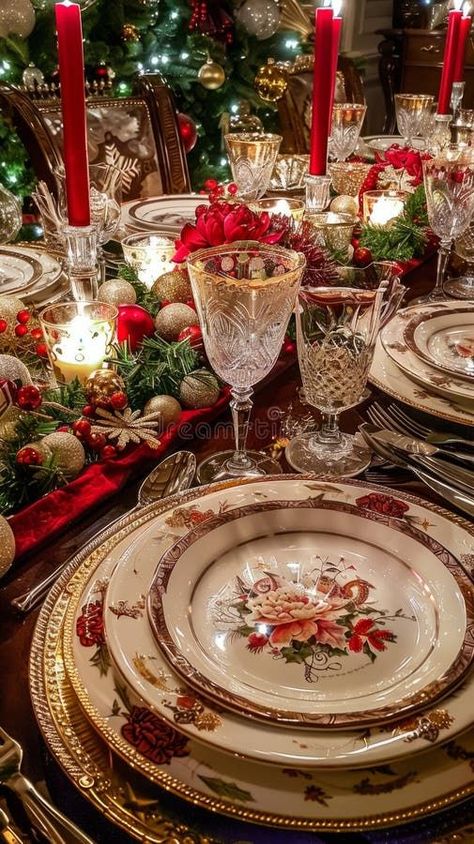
x: 10, y: 215
x: 17, y: 17
x: 187, y: 131
x: 259, y: 17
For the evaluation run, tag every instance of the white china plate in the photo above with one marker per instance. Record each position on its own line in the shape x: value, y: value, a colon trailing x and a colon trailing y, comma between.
x: 164, y: 213
x: 394, y: 341
x: 218, y: 782
x: 259, y: 608
x: 445, y: 339
x: 380, y: 143
x: 19, y: 270
x: 140, y: 662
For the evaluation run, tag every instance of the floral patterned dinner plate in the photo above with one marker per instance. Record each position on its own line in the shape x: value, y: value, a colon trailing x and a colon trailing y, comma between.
x: 312, y: 613
x: 288, y: 797
x: 445, y: 339
x: 163, y: 213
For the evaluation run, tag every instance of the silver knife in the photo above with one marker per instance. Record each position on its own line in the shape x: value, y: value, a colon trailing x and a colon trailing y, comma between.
x: 414, y: 446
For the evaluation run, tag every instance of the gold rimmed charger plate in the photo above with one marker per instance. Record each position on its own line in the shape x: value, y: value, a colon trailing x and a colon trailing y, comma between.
x: 50, y: 689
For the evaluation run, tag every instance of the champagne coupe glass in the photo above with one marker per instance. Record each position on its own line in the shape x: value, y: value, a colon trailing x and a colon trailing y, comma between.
x: 336, y: 329
x: 449, y: 186
x: 463, y: 287
x: 413, y: 111
x: 244, y: 293
x: 252, y: 158
x: 347, y: 120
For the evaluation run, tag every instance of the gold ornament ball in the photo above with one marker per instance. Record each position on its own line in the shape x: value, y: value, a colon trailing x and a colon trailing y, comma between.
x: 9, y: 307
x: 117, y: 291
x: 8, y: 423
x: 14, y: 369
x: 102, y: 384
x: 271, y: 82
x: 345, y: 205
x: 211, y: 75
x: 7, y: 546
x: 167, y: 406
x: 173, y: 286
x: 199, y: 389
x: 170, y: 321
x: 67, y: 451
x: 130, y: 32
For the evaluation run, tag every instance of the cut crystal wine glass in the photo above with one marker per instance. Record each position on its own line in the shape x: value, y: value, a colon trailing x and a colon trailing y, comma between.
x: 336, y: 332
x: 347, y: 120
x: 252, y: 158
x: 244, y: 293
x: 413, y: 112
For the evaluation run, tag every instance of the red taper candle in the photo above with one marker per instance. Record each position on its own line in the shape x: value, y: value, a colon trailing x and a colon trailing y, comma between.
x: 447, y: 74
x: 73, y: 104
x: 323, y: 88
x: 464, y: 30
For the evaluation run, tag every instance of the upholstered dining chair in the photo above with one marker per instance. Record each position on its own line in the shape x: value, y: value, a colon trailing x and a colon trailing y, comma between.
x: 138, y: 134
x: 294, y: 109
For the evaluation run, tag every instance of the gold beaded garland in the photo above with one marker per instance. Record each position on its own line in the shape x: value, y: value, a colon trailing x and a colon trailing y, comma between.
x: 67, y: 450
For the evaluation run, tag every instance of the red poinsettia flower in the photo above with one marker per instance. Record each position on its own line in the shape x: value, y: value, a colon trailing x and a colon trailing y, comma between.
x: 410, y: 160
x: 224, y: 222
x: 152, y: 737
x: 364, y: 631
x: 90, y: 625
x: 386, y: 505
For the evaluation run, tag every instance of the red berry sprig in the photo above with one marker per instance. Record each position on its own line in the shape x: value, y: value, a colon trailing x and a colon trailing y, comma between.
x: 108, y: 452
x: 29, y: 398
x: 28, y: 456
x: 119, y: 400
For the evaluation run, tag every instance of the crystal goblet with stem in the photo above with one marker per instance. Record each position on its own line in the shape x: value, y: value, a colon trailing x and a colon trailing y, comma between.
x: 463, y: 287
x: 336, y: 329
x: 245, y: 293
x: 252, y: 158
x: 347, y: 120
x: 413, y: 111
x: 449, y: 186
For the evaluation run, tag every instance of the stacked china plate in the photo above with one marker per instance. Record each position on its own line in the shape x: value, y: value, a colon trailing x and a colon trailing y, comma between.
x: 425, y: 358
x: 32, y: 274
x: 166, y: 214
x: 285, y: 651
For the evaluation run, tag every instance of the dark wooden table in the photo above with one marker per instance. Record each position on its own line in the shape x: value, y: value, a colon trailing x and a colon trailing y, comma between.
x: 16, y: 714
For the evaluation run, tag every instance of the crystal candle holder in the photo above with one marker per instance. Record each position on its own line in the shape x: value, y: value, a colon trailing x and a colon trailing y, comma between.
x: 252, y: 157
x: 457, y: 94
x: 317, y: 193
x: 382, y: 207
x: 82, y: 261
x: 335, y: 230
x: 78, y: 337
x: 150, y: 255
x: 287, y: 207
x: 347, y: 177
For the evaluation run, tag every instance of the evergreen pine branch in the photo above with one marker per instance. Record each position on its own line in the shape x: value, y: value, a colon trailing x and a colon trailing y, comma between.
x: 145, y: 297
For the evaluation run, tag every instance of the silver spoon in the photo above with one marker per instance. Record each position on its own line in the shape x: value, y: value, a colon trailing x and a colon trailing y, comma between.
x: 173, y: 474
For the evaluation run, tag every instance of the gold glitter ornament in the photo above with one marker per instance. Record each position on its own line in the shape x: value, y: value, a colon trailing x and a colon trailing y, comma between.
x: 13, y: 369
x: 7, y: 546
x: 9, y: 307
x: 168, y: 408
x: 67, y: 451
x: 345, y: 205
x: 17, y: 17
x: 199, y: 389
x: 211, y: 75
x: 8, y: 422
x: 271, y: 82
x: 170, y: 321
x: 130, y: 32
x: 102, y: 384
x: 173, y: 286
x: 117, y: 291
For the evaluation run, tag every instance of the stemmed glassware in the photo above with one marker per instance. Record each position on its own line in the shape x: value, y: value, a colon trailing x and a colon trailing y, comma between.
x: 245, y: 293
x: 347, y: 120
x: 336, y: 332
x: 252, y: 158
x: 413, y: 113
x: 463, y: 287
x: 449, y: 186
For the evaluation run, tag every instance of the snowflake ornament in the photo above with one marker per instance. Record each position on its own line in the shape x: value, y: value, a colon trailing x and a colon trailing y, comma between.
x: 126, y: 426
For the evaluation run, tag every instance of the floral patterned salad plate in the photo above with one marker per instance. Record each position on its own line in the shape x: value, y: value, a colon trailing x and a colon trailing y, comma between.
x: 70, y: 635
x: 140, y: 662
x: 163, y: 213
x: 445, y: 339
x: 312, y: 613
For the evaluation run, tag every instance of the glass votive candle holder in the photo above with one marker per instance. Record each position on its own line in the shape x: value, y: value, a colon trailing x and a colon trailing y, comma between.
x: 78, y: 336
x: 347, y: 177
x: 382, y: 207
x: 287, y: 207
x: 334, y: 230
x: 252, y: 157
x: 149, y: 254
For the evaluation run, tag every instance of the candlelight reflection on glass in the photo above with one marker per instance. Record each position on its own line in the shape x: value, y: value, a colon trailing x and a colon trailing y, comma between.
x: 413, y: 111
x: 382, y: 207
x: 285, y: 207
x: 347, y: 120
x: 334, y: 230
x: 150, y: 255
x: 78, y: 337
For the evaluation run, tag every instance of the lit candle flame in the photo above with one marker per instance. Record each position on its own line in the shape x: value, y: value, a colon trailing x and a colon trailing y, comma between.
x: 337, y: 7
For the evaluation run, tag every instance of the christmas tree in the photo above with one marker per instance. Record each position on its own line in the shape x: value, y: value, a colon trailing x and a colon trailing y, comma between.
x: 208, y: 50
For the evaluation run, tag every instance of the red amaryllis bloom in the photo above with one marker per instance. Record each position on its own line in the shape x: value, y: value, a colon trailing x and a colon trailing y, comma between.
x: 410, y: 160
x: 364, y: 631
x: 386, y: 505
x: 90, y: 625
x: 223, y: 222
x: 153, y: 738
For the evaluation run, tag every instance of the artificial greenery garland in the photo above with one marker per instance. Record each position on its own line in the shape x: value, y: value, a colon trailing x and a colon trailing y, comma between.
x: 406, y: 238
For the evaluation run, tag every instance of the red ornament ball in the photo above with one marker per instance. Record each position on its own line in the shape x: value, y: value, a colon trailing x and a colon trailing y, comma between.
x: 289, y: 346
x: 29, y: 456
x: 3, y: 325
x: 21, y: 330
x: 119, y: 400
x: 192, y: 333
x: 362, y: 257
x: 63, y: 429
x: 81, y: 428
x: 187, y: 131
x: 96, y: 441
x: 41, y: 350
x: 88, y: 410
x: 133, y: 324
x: 108, y: 452
x: 23, y: 317
x: 29, y: 398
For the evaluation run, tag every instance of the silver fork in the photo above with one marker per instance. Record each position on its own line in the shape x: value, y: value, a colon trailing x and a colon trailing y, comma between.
x: 45, y: 817
x: 395, y: 418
